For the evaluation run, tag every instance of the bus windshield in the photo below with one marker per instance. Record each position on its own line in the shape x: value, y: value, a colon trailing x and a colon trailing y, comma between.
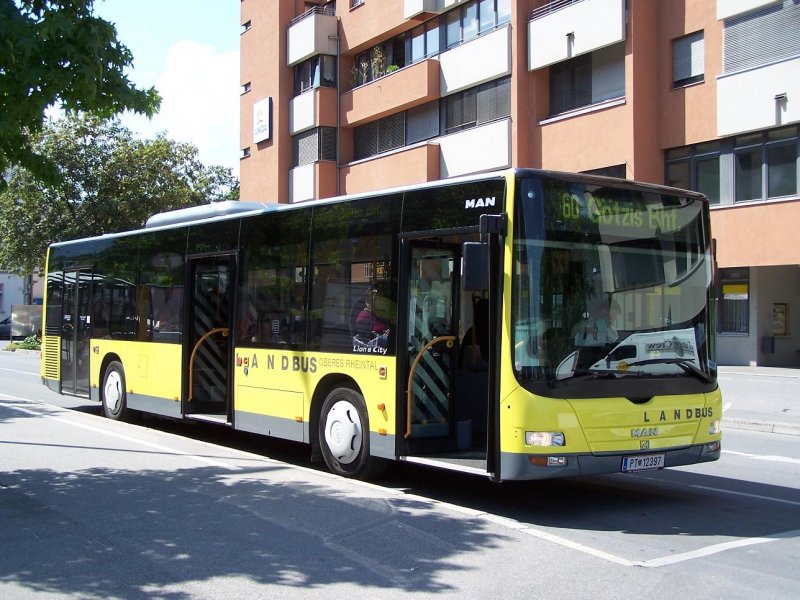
x: 611, y: 289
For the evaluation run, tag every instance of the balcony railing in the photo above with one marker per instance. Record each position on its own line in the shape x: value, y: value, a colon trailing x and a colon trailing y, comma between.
x: 314, y: 10
x: 550, y: 8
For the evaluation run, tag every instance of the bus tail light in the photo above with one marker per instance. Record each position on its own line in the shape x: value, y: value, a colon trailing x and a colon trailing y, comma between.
x: 715, y: 427
x: 545, y: 438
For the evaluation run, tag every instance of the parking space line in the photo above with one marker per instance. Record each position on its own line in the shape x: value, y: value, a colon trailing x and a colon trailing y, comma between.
x: 767, y: 457
x: 119, y: 436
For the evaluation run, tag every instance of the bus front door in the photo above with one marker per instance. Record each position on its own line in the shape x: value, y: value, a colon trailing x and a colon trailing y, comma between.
x: 208, y: 343
x: 431, y: 276
x: 76, y: 321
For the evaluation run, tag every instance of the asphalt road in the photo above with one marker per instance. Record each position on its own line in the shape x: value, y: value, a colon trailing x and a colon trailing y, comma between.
x: 91, y: 508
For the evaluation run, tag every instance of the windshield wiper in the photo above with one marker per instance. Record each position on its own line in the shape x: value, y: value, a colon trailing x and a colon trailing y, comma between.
x: 601, y: 374
x: 687, y: 366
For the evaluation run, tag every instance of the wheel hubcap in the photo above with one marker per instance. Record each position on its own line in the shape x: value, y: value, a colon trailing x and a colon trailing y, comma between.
x: 343, y: 432
x: 112, y: 391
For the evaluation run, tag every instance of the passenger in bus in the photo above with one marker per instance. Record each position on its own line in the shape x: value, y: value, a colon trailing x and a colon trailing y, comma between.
x: 368, y: 323
x: 597, y: 326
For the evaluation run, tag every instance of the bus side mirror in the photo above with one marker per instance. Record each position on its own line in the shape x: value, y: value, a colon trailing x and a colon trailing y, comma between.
x: 475, y: 270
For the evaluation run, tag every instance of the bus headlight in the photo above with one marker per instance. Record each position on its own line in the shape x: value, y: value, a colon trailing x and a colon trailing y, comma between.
x: 715, y: 427
x: 544, y: 438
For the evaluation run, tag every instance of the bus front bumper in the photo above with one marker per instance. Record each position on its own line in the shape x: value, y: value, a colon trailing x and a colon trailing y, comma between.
x: 536, y: 466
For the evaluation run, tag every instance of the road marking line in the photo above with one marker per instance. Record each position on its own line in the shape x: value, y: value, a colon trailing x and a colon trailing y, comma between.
x: 18, y: 371
x: 716, y: 549
x: 768, y: 457
x: 159, y: 447
x: 746, y: 495
x: 555, y: 539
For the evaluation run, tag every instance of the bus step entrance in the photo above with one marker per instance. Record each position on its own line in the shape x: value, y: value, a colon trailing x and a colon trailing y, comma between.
x: 220, y: 419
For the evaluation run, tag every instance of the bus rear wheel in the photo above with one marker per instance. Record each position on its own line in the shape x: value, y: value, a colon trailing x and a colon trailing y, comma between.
x: 114, y: 397
x: 344, y: 435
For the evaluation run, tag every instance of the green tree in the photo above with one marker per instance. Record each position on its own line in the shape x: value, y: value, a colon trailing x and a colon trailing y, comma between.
x: 57, y: 53
x: 108, y: 182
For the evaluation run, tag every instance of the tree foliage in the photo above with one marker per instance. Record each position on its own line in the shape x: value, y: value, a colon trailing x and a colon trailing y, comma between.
x: 108, y: 182
x: 56, y: 52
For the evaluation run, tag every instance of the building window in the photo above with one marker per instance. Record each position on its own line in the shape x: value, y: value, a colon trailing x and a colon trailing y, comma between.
x: 424, y: 41
x: 463, y: 110
x: 746, y: 168
x: 315, y: 72
x: 688, y: 57
x: 246, y: 87
x: 765, y: 165
x: 696, y: 168
x: 313, y: 145
x: 246, y: 26
x: 734, y: 301
x: 761, y: 37
x: 379, y: 136
x: 245, y: 152
x: 476, y: 106
x: 588, y: 79
x: 474, y: 18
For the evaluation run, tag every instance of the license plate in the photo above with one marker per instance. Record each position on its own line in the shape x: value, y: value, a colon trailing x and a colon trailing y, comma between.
x: 642, y: 462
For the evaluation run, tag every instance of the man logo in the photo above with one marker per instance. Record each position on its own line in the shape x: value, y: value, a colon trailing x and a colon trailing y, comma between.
x: 644, y: 445
x: 480, y: 202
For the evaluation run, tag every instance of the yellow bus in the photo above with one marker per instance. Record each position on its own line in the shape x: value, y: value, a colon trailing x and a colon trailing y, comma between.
x: 519, y: 325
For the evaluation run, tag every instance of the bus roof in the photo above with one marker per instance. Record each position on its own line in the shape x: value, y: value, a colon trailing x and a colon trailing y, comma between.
x: 230, y: 209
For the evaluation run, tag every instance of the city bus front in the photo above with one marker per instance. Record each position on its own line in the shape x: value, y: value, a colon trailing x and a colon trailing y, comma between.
x: 609, y: 361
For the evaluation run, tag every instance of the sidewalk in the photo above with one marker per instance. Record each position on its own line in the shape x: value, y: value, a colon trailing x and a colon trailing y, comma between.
x: 761, y: 399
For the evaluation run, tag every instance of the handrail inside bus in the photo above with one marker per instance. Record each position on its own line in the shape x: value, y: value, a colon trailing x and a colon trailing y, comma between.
x: 225, y: 331
x: 436, y: 340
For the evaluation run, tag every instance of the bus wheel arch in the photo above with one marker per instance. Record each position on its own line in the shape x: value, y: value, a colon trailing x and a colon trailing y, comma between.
x: 113, y: 394
x: 340, y: 429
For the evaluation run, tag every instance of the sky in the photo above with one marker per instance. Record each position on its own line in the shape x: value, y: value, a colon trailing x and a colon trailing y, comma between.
x: 188, y: 50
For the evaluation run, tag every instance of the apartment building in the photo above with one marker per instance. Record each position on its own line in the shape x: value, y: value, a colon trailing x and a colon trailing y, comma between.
x: 356, y: 95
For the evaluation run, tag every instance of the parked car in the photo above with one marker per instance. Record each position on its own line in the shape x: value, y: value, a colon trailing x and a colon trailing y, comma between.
x: 5, y: 329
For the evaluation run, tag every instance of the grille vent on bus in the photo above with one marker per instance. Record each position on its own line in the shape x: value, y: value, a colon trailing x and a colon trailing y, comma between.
x: 50, y: 356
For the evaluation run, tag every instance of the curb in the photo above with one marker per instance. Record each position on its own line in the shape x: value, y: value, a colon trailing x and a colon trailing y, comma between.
x: 22, y: 351
x: 762, y: 426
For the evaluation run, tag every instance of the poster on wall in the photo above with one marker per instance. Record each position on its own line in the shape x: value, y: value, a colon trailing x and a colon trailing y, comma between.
x: 779, y: 319
x: 262, y: 120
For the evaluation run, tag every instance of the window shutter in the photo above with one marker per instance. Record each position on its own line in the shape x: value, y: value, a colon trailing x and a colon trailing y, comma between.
x: 688, y: 55
x: 762, y: 37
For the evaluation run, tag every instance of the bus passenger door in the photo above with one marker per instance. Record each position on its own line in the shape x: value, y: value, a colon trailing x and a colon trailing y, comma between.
x: 75, y: 332
x: 208, y: 342
x: 431, y: 272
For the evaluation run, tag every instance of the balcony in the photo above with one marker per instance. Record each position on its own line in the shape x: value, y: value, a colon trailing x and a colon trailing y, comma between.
x: 484, y: 148
x: 312, y: 182
x: 312, y: 108
x: 369, y: 23
x: 483, y: 59
x: 733, y: 8
x: 415, y: 8
x: 401, y: 90
x: 564, y: 29
x: 758, y: 98
x: 414, y: 164
x: 313, y: 32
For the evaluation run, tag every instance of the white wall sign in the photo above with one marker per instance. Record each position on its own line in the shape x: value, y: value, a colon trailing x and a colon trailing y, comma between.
x: 262, y: 120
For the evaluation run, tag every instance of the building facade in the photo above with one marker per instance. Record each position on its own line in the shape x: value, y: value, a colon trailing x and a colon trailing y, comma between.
x: 357, y: 95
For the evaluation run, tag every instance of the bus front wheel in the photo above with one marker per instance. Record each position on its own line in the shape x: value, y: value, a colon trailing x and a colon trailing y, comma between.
x: 344, y: 435
x: 114, y: 397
